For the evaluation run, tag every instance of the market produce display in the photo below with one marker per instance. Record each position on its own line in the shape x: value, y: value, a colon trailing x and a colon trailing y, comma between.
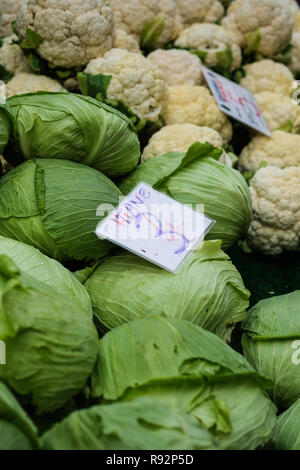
x: 101, y: 349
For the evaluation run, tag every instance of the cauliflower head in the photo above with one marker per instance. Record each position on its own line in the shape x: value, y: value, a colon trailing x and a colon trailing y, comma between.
x: 73, y: 31
x: 279, y: 112
x: 199, y: 11
x: 178, y: 67
x: 216, y: 46
x: 282, y: 150
x: 31, y: 83
x: 294, y: 63
x: 133, y: 16
x: 267, y: 75
x: 195, y: 105
x: 178, y: 138
x: 135, y: 81
x: 126, y: 41
x: 260, y: 26
x: 8, y: 12
x: 275, y: 227
x: 12, y: 57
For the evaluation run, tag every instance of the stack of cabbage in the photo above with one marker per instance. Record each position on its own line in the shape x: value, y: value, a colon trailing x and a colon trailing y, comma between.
x: 99, y: 349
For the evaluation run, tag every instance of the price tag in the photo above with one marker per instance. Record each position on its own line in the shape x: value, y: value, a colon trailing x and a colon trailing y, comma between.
x: 156, y: 227
x: 236, y: 101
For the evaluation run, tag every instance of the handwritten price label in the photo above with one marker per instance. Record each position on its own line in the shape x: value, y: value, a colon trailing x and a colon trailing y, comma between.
x: 156, y: 227
x: 235, y: 101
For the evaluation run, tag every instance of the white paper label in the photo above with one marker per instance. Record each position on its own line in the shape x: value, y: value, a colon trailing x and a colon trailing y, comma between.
x: 235, y: 101
x: 156, y: 227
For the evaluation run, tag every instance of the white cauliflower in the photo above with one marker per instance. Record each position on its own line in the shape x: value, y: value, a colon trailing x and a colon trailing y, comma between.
x: 31, y: 83
x: 195, y: 105
x: 8, y: 12
x: 282, y: 150
x: 267, y: 75
x: 178, y: 67
x: 73, y: 31
x: 276, y: 210
x: 178, y: 138
x: 12, y: 57
x: 294, y: 63
x: 136, y: 82
x: 259, y: 25
x: 200, y: 11
x: 126, y: 41
x: 133, y: 15
x: 279, y: 111
x: 215, y: 44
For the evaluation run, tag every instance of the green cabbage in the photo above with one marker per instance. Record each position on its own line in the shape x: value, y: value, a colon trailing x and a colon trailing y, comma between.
x: 51, y: 344
x: 287, y: 431
x: 208, y: 290
x: 143, y: 424
x: 190, y: 370
x: 70, y: 127
x: 52, y: 205
x: 33, y: 262
x: 198, y: 178
x: 17, y: 432
x: 271, y: 343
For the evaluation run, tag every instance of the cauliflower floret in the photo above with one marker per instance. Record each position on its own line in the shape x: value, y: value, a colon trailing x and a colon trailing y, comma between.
x: 178, y: 138
x: 187, y: 73
x: 136, y: 82
x: 282, y: 150
x: 31, y: 83
x: 133, y: 15
x: 12, y: 57
x: 279, y: 111
x: 213, y: 41
x: 8, y: 12
x: 276, y: 210
x: 267, y: 75
x: 195, y: 105
x: 259, y: 22
x: 199, y: 11
x: 73, y: 31
x: 126, y: 41
x: 291, y: 6
x: 294, y: 64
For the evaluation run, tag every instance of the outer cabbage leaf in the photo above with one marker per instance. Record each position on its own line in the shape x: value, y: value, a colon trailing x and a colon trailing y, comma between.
x: 52, y: 205
x: 207, y: 291
x: 287, y: 431
x: 71, y: 127
x: 189, y: 370
x: 17, y: 432
x: 271, y: 343
x: 143, y: 424
x: 40, y: 267
x: 197, y: 178
x: 51, y: 344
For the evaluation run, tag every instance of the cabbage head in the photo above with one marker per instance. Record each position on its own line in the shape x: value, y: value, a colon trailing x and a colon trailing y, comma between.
x: 51, y: 343
x: 143, y: 424
x: 70, y: 127
x: 17, y: 432
x: 52, y: 205
x: 208, y: 291
x: 286, y: 435
x: 190, y: 370
x: 31, y: 261
x: 271, y: 343
x: 198, y: 178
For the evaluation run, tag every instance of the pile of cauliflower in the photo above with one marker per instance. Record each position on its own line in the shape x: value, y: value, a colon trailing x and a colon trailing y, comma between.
x: 147, y: 58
